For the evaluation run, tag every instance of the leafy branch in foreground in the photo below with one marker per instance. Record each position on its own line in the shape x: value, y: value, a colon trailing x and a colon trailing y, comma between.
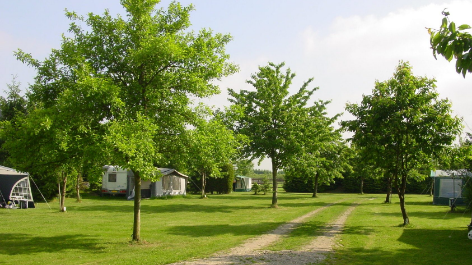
x: 451, y: 42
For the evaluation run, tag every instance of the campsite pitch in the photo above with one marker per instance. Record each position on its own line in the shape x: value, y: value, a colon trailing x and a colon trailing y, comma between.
x: 353, y: 229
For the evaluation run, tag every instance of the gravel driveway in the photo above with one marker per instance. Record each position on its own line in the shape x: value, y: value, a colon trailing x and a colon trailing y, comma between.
x: 251, y: 251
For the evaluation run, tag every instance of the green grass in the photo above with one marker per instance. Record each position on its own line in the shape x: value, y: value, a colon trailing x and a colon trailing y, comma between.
x: 98, y: 230
x: 374, y: 234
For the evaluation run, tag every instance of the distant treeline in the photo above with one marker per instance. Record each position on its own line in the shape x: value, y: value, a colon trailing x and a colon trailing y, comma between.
x: 265, y: 171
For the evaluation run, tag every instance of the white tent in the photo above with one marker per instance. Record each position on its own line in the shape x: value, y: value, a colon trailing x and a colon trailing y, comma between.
x: 15, y: 189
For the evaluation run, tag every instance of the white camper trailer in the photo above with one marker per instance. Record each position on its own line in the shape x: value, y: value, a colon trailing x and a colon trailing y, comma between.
x: 115, y: 180
x: 171, y: 182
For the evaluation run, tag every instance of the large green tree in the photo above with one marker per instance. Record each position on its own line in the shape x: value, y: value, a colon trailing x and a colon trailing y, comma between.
x: 403, y: 124
x: 453, y: 41
x: 141, y: 72
x: 270, y: 117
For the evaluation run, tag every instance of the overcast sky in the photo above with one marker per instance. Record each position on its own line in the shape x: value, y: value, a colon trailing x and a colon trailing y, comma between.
x: 344, y: 45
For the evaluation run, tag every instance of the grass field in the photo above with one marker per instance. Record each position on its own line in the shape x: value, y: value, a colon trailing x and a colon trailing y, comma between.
x: 98, y: 230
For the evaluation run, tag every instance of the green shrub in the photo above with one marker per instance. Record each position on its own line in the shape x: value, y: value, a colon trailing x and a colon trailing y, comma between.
x: 256, y: 188
x: 265, y: 187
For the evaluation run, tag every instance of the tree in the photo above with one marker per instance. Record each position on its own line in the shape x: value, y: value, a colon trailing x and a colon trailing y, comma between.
x: 211, y: 146
x: 256, y: 188
x: 321, y: 156
x: 265, y: 186
x: 403, y: 124
x: 270, y: 117
x: 364, y: 167
x: 244, y: 167
x: 147, y: 66
x: 453, y: 42
x: 14, y: 104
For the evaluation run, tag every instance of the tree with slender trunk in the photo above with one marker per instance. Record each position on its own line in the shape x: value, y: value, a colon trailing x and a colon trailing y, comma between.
x: 136, y: 76
x: 270, y: 117
x: 403, y: 123
x: 211, y: 145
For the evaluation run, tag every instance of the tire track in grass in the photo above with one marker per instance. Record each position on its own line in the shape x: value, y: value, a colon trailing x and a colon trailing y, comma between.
x: 311, y: 253
x: 249, y: 252
x: 324, y: 244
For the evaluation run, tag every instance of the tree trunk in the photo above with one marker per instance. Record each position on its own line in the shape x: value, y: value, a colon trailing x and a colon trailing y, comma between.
x: 64, y: 188
x: 60, y: 193
x: 389, y: 190
x: 77, y: 188
x: 137, y: 207
x: 315, y: 186
x: 401, y: 195
x: 274, y: 185
x: 362, y: 184
x: 203, y: 185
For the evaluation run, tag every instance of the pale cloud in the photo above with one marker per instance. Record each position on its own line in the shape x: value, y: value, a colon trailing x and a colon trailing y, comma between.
x: 358, y: 50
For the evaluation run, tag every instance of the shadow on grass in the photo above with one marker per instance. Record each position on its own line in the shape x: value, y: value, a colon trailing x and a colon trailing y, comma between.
x: 20, y: 244
x: 422, y: 247
x: 214, y: 230
x: 193, y: 207
x: 438, y: 215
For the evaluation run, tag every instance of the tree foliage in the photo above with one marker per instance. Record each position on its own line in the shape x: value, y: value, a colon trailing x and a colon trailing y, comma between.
x: 453, y: 41
x: 270, y: 117
x: 128, y: 83
x: 402, y: 125
x: 211, y: 146
x: 10, y: 106
x: 322, y: 155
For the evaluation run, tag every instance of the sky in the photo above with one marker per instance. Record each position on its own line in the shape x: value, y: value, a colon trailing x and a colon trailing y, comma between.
x: 344, y: 45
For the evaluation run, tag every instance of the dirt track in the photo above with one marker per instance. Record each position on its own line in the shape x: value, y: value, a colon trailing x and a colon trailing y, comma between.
x: 251, y: 251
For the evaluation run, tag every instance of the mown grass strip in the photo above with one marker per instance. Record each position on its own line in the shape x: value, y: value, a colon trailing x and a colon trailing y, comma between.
x: 98, y: 230
x: 374, y: 234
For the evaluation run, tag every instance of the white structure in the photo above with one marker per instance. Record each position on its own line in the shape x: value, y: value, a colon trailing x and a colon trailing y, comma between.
x: 115, y: 180
x: 15, y: 188
x: 120, y: 181
x: 242, y: 183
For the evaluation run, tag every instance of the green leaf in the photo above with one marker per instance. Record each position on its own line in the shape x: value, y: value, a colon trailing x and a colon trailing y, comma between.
x: 444, y: 23
x: 436, y: 39
x: 452, y: 27
x: 464, y: 26
x: 448, y: 53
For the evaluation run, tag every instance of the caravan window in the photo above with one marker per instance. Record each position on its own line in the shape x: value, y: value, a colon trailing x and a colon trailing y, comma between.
x: 111, y: 177
x: 166, y: 181
x: 176, y: 183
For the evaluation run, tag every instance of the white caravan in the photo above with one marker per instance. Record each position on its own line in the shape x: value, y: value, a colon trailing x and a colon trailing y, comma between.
x: 115, y: 180
x: 119, y: 181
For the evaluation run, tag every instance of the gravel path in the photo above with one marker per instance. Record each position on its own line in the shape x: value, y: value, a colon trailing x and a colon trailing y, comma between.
x: 250, y: 252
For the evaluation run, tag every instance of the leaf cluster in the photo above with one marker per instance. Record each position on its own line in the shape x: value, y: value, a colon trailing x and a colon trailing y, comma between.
x: 451, y: 42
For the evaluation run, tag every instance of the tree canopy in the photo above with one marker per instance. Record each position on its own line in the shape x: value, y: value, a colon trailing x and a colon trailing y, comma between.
x: 211, y: 146
x: 403, y: 124
x: 272, y: 118
x: 128, y: 82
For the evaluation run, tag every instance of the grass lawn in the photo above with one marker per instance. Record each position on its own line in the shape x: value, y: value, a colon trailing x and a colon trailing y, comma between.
x: 98, y: 230
x: 374, y: 235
